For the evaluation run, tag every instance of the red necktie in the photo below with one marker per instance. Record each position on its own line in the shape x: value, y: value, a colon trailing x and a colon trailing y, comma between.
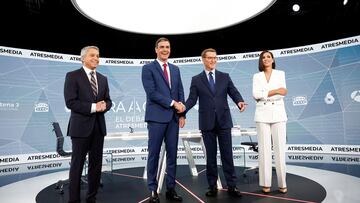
x: 166, y: 73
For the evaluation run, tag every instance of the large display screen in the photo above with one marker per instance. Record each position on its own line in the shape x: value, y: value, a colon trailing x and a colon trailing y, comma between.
x: 323, y: 101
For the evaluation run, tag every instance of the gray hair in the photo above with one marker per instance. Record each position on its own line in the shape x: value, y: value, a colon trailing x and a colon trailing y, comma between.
x: 86, y: 49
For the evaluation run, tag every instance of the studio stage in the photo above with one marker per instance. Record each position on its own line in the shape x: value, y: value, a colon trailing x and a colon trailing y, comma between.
x: 128, y: 185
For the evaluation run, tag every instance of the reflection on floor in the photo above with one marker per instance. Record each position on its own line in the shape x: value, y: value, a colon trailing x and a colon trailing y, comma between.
x: 119, y: 183
x: 340, y: 180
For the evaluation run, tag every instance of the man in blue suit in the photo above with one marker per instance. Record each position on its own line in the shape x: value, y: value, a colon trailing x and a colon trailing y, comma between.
x: 212, y: 88
x: 86, y: 94
x: 164, y: 100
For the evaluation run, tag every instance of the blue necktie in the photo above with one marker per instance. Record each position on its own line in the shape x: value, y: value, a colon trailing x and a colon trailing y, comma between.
x: 211, y: 82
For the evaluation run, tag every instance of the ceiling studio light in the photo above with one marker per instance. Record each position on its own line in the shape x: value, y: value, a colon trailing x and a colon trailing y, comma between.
x: 296, y: 7
x: 170, y: 16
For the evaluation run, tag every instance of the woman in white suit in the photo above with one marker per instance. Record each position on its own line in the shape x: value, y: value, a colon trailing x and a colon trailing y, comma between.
x: 269, y: 89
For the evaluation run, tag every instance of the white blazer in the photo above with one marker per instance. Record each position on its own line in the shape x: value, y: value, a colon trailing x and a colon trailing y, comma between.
x: 269, y: 109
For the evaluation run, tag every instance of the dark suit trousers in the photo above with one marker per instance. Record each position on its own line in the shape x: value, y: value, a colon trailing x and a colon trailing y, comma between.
x: 80, y: 147
x: 159, y: 132
x: 225, y: 145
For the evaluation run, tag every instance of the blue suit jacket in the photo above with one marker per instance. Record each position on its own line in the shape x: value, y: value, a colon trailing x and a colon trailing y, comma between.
x: 213, y: 106
x: 158, y: 93
x: 79, y: 97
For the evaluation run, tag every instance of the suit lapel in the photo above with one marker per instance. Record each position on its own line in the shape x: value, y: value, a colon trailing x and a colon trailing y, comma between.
x: 85, y: 78
x: 99, y: 81
x: 172, y: 75
x: 218, y: 80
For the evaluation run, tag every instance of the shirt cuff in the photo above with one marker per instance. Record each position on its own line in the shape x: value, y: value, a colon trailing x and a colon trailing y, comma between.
x: 172, y: 103
x: 93, y: 108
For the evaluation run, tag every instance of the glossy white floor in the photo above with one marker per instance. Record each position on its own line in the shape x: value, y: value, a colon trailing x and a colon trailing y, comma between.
x: 339, y: 187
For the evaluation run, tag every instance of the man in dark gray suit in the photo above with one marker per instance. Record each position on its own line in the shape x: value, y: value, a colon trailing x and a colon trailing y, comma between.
x: 211, y: 88
x: 86, y: 94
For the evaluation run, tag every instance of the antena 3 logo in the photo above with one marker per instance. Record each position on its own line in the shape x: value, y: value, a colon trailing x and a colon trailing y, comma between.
x: 41, y: 107
x: 9, y: 106
x: 299, y: 101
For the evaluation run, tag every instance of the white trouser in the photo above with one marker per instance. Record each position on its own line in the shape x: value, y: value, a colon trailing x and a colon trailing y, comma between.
x: 276, y: 131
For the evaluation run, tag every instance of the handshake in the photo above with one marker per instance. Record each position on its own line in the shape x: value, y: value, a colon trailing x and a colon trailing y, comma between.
x: 179, y: 106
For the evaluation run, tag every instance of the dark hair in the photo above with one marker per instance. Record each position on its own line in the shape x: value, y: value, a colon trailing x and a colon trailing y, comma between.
x: 261, y: 65
x: 161, y: 39
x: 203, y: 53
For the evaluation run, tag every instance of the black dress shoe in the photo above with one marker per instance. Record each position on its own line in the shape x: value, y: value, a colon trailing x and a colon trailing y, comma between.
x: 234, y: 192
x: 212, y: 192
x: 154, y: 197
x: 172, y: 195
x: 91, y: 200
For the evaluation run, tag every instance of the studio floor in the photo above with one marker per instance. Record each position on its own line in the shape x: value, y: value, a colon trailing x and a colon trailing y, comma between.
x: 309, y: 181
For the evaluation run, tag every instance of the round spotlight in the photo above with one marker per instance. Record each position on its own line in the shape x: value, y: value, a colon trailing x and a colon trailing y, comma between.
x: 345, y: 2
x: 296, y: 7
x: 170, y: 17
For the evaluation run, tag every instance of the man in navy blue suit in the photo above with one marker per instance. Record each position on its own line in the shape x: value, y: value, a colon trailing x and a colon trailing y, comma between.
x: 86, y: 94
x: 212, y: 87
x: 164, y: 101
